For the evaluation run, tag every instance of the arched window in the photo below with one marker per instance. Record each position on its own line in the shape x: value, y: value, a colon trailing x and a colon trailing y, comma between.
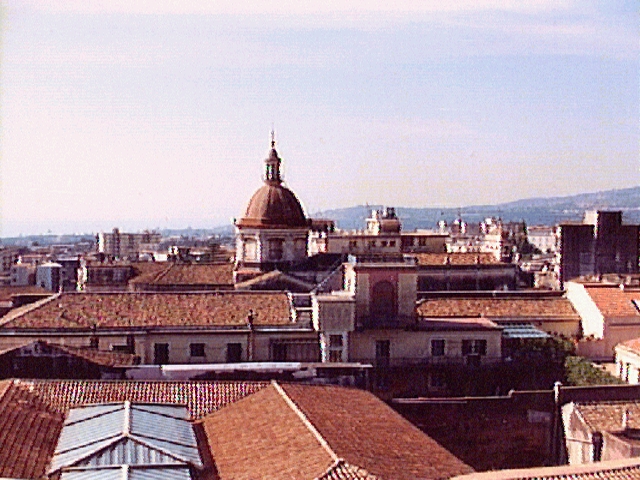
x: 383, y: 301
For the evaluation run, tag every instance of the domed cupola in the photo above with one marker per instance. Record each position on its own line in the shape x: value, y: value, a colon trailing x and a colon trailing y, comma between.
x: 272, y: 234
x: 273, y: 205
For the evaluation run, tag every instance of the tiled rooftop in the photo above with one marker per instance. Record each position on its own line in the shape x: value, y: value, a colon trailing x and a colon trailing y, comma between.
x: 322, y: 432
x: 458, y: 258
x: 126, y: 310
x: 253, y: 429
x: 607, y: 416
x: 614, y: 301
x: 623, y: 469
x: 106, y: 358
x: 200, y: 397
x: 190, y: 274
x: 497, y: 307
x: 29, y: 430
x: 6, y: 292
x: 633, y: 345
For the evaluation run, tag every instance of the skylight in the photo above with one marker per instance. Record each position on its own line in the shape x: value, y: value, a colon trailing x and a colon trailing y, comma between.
x: 126, y: 435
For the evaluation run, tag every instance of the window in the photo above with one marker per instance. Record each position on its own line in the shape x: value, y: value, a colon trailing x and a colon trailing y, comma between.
x: 392, y: 243
x: 383, y: 302
x: 383, y: 353
x: 437, y: 380
x: 250, y: 247
x: 295, y: 351
x: 437, y: 348
x: 160, y: 353
x: 335, y: 341
x: 276, y: 249
x: 197, y: 349
x: 336, y: 344
x: 474, y: 347
x: 234, y: 352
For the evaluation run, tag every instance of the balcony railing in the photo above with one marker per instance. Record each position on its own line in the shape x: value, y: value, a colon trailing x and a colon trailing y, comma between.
x: 467, y: 360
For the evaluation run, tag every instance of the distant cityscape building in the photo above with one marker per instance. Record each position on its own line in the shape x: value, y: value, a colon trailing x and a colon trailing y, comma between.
x: 599, y: 245
x: 118, y: 245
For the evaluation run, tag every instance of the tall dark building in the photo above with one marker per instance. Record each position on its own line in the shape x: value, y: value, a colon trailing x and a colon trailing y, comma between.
x: 600, y: 244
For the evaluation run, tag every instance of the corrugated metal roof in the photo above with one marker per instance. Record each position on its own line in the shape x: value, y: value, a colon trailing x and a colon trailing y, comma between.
x: 127, y: 472
x: 521, y: 330
x: 126, y: 434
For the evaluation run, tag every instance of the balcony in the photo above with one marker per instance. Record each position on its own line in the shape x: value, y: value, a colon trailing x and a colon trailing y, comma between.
x: 467, y: 360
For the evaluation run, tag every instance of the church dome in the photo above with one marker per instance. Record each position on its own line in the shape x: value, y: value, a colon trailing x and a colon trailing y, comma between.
x: 273, y: 205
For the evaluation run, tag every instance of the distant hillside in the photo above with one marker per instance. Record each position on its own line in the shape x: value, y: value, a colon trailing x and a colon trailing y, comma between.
x: 534, y: 211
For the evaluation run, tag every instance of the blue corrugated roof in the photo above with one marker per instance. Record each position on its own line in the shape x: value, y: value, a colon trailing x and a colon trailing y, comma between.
x: 126, y: 434
x: 127, y: 472
x: 521, y: 330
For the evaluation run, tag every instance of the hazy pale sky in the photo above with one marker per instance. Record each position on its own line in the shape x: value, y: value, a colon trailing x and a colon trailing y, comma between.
x: 144, y: 114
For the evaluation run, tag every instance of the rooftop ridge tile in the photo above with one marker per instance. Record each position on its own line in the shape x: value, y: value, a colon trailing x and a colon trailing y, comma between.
x: 307, y: 423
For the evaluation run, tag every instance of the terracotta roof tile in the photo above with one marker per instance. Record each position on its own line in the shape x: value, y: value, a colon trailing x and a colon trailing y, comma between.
x: 622, y: 469
x: 29, y: 430
x: 497, y: 307
x: 190, y: 274
x: 607, y: 416
x: 6, y: 292
x: 105, y: 358
x: 613, y: 301
x: 200, y: 397
x: 458, y: 258
x: 343, y: 471
x: 126, y: 310
x: 275, y: 443
x: 633, y: 345
x: 365, y: 432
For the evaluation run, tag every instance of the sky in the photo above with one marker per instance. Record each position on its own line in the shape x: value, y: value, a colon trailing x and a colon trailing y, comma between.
x: 157, y: 114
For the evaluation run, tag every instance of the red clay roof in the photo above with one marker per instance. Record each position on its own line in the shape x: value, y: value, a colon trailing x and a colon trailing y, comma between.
x: 304, y: 431
x: 621, y: 469
x: 189, y: 274
x: 457, y: 258
x: 607, y: 416
x: 127, y: 310
x: 633, y: 345
x: 497, y: 307
x: 614, y: 301
x: 6, y: 292
x: 200, y: 397
x: 365, y: 432
x: 29, y: 430
x: 105, y: 358
x: 275, y: 442
x: 263, y: 431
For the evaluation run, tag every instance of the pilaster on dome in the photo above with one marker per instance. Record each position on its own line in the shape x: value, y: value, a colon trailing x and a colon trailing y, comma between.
x: 272, y: 173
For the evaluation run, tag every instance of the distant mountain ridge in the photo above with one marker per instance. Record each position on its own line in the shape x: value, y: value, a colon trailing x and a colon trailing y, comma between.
x: 534, y: 211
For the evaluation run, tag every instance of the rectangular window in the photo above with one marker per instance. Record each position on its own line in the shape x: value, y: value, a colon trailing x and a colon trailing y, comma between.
x: 335, y: 341
x: 295, y: 351
x: 160, y: 353
x: 383, y: 353
x: 234, y: 352
x: 197, y: 349
x: 474, y: 347
x: 335, y: 355
x: 437, y: 348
